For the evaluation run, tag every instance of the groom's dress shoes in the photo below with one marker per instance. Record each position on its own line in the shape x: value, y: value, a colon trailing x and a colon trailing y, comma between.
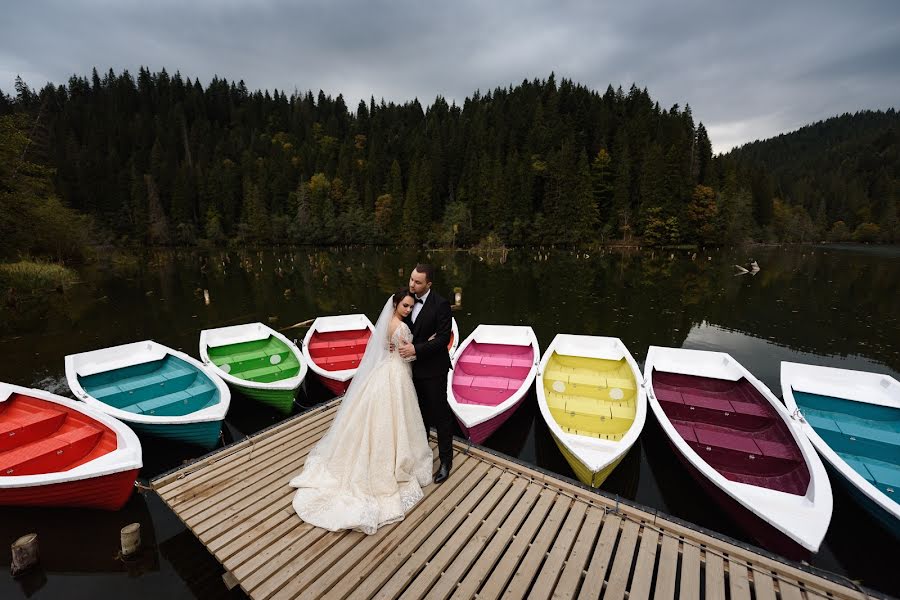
x: 443, y: 473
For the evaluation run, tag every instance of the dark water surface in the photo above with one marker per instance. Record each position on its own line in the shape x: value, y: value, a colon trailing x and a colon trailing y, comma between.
x: 829, y: 306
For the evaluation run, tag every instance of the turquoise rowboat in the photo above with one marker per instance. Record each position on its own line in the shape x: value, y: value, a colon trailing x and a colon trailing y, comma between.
x: 257, y: 361
x: 156, y: 390
x: 853, y: 420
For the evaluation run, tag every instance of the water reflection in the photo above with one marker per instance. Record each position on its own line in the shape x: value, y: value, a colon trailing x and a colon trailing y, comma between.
x: 823, y: 306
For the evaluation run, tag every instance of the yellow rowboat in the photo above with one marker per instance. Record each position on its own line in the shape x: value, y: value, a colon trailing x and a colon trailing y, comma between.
x: 592, y: 398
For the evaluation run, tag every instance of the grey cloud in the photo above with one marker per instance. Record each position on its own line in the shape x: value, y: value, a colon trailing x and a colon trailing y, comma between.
x: 748, y: 70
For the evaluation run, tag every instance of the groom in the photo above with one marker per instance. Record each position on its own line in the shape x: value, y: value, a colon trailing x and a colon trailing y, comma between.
x: 429, y: 322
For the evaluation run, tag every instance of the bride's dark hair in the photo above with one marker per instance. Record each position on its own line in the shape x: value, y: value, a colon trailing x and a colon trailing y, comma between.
x: 400, y: 294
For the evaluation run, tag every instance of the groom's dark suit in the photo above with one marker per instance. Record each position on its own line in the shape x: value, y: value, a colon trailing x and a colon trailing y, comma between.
x: 430, y: 369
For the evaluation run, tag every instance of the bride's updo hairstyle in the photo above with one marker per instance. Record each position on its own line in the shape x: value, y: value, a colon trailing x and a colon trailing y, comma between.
x: 400, y: 294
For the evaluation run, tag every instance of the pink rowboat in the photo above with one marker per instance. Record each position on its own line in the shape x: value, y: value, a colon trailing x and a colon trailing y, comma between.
x: 60, y: 452
x: 741, y: 445
x: 493, y: 369
x: 334, y: 346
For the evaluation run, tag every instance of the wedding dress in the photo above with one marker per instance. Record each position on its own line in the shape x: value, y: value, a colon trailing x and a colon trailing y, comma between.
x: 369, y: 468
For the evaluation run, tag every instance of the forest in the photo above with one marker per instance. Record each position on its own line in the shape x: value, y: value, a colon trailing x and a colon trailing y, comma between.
x: 160, y: 160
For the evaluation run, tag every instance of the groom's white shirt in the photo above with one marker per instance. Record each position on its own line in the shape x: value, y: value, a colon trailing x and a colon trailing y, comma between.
x: 417, y: 308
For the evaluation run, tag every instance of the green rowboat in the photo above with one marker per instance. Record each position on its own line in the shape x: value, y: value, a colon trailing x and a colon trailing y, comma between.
x: 257, y: 361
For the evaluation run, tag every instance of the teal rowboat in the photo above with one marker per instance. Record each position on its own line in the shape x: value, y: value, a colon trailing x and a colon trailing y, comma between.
x: 156, y: 390
x: 257, y: 361
x: 853, y: 420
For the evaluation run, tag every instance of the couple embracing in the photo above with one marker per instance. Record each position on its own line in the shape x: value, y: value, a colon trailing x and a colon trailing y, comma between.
x: 369, y: 469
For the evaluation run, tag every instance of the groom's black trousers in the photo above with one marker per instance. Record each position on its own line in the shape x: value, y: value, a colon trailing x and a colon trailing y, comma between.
x: 432, y: 393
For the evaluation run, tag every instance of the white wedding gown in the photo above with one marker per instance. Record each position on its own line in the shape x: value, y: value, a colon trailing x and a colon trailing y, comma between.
x: 370, y: 468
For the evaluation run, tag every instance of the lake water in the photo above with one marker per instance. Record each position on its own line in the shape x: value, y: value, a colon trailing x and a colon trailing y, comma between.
x: 832, y: 306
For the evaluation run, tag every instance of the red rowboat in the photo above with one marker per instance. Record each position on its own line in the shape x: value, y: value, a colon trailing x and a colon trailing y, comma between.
x: 334, y: 346
x: 59, y: 452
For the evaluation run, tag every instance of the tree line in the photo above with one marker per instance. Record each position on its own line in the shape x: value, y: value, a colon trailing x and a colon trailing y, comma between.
x: 158, y: 159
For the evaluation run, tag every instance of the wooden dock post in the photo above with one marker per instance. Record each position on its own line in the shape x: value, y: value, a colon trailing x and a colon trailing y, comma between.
x: 24, y: 554
x: 131, y: 539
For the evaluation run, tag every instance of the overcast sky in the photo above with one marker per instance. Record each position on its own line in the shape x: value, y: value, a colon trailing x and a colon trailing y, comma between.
x: 749, y: 70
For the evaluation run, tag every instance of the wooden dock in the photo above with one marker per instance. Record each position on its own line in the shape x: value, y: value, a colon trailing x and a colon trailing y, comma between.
x: 495, y: 527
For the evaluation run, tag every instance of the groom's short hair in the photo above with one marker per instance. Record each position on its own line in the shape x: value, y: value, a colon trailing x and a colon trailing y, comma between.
x: 427, y: 271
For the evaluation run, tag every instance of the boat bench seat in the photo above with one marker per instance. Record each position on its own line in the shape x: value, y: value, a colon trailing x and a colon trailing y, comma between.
x: 855, y: 439
x: 591, y: 417
x: 734, y: 452
x: 322, y: 348
x: 137, y: 389
x: 886, y: 478
x: 494, y: 366
x: 268, y: 374
x: 28, y: 426
x: 876, y: 434
x: 50, y: 454
x: 693, y: 406
x: 860, y: 466
x: 247, y: 361
x: 482, y: 389
x: 339, y: 363
x: 178, y: 403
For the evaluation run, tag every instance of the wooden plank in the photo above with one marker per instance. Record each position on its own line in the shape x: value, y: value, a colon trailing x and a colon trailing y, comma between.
x: 670, y: 527
x: 667, y: 570
x: 458, y: 522
x: 621, y: 568
x: 570, y: 580
x: 464, y: 497
x: 167, y: 485
x: 229, y: 459
x: 253, y: 571
x: 690, y: 572
x: 521, y: 581
x: 263, y: 542
x: 235, y: 476
x: 358, y: 559
x: 498, y: 578
x: 282, y: 465
x: 601, y: 558
x: 789, y: 591
x: 237, y: 523
x: 238, y: 503
x: 643, y: 568
x: 245, y: 525
x: 738, y: 584
x: 266, y: 581
x: 715, y: 576
x: 256, y: 496
x: 479, y: 546
x: 763, y: 586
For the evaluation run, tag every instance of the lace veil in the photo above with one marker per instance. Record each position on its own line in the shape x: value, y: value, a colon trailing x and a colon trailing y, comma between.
x: 376, y: 353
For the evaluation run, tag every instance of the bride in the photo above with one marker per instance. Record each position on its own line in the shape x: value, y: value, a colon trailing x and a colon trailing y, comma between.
x: 369, y: 468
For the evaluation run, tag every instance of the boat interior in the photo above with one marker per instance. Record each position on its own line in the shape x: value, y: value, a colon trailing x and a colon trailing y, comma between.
x: 37, y: 436
x: 338, y: 350
x: 732, y: 426
x: 866, y: 436
x: 592, y: 397
x: 261, y: 361
x: 165, y: 387
x: 489, y: 374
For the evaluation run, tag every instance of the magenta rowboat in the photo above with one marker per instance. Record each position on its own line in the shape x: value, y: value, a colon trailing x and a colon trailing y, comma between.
x: 741, y: 446
x: 493, y: 369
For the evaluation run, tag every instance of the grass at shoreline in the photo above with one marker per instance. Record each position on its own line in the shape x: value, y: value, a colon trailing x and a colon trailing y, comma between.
x: 35, y: 276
